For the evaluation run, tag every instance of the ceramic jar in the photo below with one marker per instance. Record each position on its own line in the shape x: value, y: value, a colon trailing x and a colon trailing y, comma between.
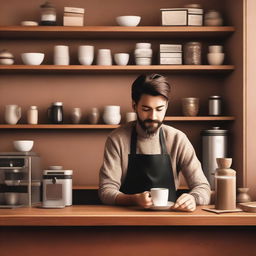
x: 6, y: 58
x: 243, y: 196
x: 94, y: 116
x: 190, y: 106
x: 213, y: 18
x: 225, y: 185
x: 130, y: 116
x: 32, y: 115
x: 104, y: 57
x: 12, y: 114
x: 192, y: 53
x: 48, y: 14
x: 76, y: 115
x: 111, y: 115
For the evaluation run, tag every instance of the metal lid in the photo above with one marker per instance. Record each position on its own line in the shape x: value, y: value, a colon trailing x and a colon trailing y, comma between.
x: 215, y: 97
x: 58, y: 172
x: 47, y: 5
x: 215, y: 131
x: 57, y: 103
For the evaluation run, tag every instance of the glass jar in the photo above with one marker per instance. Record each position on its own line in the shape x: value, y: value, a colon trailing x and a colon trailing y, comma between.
x: 48, y: 14
x: 192, y: 53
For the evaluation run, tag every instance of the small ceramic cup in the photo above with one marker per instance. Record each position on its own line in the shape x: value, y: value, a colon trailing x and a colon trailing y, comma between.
x: 215, y: 48
x: 85, y: 54
x: 159, y: 196
x: 224, y: 163
x: 121, y: 59
x: 104, y: 57
x: 61, y: 55
x: 130, y: 116
x: 215, y: 58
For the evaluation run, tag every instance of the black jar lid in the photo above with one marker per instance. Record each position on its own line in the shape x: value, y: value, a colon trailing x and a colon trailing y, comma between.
x: 215, y: 131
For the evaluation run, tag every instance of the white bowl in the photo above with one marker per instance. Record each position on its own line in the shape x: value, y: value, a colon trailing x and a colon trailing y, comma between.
x: 128, y: 21
x: 32, y: 58
x: 121, y: 59
x: 23, y: 145
x: 215, y: 48
x: 111, y: 118
x: 143, y: 45
x: 215, y: 58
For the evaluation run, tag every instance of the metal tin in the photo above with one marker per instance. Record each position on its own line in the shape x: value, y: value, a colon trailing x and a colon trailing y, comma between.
x: 215, y: 104
x: 214, y: 145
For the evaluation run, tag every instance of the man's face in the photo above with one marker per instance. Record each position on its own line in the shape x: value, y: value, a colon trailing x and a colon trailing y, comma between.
x: 151, y: 112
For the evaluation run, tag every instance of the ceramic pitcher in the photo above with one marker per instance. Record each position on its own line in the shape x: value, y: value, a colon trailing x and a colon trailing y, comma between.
x: 12, y: 114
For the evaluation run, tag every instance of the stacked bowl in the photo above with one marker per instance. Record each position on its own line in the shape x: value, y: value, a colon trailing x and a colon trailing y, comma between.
x: 143, y: 54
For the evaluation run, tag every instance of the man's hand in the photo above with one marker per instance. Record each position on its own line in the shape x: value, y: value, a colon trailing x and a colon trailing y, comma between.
x: 143, y: 199
x: 185, y: 202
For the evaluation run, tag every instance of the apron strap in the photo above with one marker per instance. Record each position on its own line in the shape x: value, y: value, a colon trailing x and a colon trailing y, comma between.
x: 133, y: 144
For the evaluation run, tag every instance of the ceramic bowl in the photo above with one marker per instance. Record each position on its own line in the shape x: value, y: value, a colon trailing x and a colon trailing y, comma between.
x: 32, y: 58
x: 111, y: 119
x: 23, y: 145
x: 215, y: 58
x: 248, y: 207
x: 112, y: 109
x: 128, y: 21
x: 121, y: 59
x: 215, y: 48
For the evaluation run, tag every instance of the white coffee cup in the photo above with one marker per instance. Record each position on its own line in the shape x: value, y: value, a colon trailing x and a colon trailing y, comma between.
x: 85, y: 54
x: 61, y: 55
x: 104, y: 57
x: 215, y: 48
x: 121, y: 59
x: 130, y: 116
x: 159, y: 196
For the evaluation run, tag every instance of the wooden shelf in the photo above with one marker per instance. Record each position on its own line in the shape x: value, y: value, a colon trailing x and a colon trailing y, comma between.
x: 105, y: 126
x: 129, y: 68
x: 85, y: 187
x: 107, y: 32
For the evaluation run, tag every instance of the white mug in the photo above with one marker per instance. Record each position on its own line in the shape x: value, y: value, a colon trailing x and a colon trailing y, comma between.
x: 104, y: 57
x: 130, y: 116
x: 12, y: 114
x: 85, y: 54
x: 159, y: 196
x: 61, y: 55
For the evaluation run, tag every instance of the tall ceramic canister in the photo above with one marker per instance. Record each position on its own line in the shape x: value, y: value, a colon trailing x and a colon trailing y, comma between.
x: 32, y: 115
x: 225, y: 185
x: 214, y: 145
x: 12, y: 114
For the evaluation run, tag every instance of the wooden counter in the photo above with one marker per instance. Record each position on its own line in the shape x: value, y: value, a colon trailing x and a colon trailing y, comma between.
x: 99, y: 215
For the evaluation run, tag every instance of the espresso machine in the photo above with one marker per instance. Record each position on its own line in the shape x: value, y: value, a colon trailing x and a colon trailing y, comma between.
x: 20, y: 179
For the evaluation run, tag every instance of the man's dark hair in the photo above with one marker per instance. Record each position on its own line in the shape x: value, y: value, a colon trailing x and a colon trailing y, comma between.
x: 155, y: 85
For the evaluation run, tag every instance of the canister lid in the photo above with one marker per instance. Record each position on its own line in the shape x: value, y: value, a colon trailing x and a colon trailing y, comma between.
x: 47, y: 4
x: 215, y: 131
x: 215, y: 97
x: 57, y: 103
x: 58, y: 172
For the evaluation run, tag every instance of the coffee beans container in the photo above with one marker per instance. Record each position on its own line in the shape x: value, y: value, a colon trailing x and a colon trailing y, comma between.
x: 215, y: 105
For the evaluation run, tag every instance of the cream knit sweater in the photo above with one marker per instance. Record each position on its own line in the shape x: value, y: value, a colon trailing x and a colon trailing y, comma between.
x: 183, y: 159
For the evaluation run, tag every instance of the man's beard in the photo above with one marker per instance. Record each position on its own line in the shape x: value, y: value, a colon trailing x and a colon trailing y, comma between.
x: 148, y: 125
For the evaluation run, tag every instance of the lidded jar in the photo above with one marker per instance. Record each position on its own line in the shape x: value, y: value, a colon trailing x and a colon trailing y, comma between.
x: 190, y: 106
x: 192, y: 53
x: 32, y: 115
x: 225, y: 185
x: 48, y: 14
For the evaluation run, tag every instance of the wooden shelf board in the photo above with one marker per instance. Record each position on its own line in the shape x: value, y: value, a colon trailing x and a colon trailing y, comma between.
x: 48, y: 32
x: 105, y: 126
x: 132, y: 68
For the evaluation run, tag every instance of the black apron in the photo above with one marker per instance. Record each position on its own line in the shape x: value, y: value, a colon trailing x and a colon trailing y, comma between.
x: 148, y: 171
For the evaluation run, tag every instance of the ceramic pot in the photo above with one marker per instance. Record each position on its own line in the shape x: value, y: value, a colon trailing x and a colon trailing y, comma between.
x: 76, y: 115
x: 94, y: 116
x: 243, y: 196
x: 12, y: 114
x: 190, y: 106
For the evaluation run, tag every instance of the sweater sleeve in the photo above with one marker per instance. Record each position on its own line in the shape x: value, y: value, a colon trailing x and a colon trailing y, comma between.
x: 191, y: 169
x: 110, y: 173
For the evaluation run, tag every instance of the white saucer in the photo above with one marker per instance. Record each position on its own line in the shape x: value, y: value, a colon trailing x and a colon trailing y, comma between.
x: 162, y: 208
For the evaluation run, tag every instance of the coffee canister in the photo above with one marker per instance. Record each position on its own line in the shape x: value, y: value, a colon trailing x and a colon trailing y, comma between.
x: 214, y: 145
x: 215, y: 104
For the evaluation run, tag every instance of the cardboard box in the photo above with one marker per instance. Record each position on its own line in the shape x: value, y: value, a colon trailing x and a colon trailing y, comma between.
x: 74, y: 10
x: 170, y: 48
x: 170, y: 61
x: 182, y: 16
x: 73, y: 20
x: 170, y: 55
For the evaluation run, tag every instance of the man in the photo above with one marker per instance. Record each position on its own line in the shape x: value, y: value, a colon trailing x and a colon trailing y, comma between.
x: 146, y: 153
